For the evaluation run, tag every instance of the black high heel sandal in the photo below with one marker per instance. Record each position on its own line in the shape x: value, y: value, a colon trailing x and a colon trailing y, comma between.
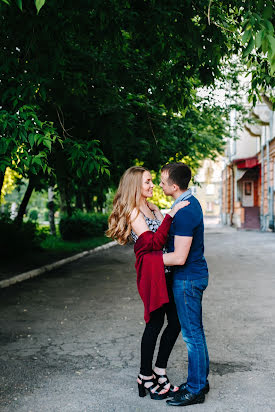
x: 154, y: 395
x: 171, y: 391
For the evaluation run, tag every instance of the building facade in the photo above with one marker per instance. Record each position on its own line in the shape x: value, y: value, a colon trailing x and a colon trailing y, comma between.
x: 208, y: 189
x: 248, y: 177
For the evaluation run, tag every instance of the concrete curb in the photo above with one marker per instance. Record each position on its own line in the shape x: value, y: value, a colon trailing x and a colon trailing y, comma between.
x: 36, y: 272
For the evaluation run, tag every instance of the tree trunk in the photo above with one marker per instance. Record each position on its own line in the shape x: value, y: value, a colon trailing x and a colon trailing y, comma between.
x: 78, y: 200
x: 100, y: 201
x: 63, y: 207
x: 51, y: 210
x: 87, y: 201
x: 62, y: 173
x: 2, y: 177
x: 65, y: 201
x: 25, y: 201
x: 68, y: 201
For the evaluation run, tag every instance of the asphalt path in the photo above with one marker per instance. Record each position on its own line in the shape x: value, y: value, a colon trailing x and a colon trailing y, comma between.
x: 70, y: 339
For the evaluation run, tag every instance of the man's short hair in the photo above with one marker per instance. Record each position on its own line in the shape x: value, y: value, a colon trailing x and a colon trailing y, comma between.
x: 179, y: 173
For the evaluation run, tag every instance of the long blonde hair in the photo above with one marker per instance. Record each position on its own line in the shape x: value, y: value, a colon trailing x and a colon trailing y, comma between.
x: 127, y: 198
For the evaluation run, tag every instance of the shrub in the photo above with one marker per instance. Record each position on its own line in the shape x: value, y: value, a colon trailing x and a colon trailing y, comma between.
x: 16, y: 239
x: 82, y: 225
x: 42, y: 232
x: 33, y: 215
x: 108, y: 205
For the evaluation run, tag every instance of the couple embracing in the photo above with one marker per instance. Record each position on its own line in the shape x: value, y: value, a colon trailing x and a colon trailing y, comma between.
x: 172, y: 274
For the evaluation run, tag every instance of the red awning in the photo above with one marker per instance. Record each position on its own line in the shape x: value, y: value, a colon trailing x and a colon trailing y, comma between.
x: 246, y: 163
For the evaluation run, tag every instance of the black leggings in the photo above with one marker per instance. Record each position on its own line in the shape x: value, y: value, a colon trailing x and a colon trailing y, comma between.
x: 168, y: 338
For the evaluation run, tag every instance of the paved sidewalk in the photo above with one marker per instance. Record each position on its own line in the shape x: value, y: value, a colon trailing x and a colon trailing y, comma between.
x: 70, y: 339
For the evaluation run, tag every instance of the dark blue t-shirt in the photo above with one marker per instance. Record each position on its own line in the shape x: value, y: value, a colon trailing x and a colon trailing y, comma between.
x: 189, y: 222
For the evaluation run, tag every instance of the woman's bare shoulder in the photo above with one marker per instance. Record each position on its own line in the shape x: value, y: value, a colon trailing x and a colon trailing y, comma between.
x: 138, y: 223
x: 134, y: 214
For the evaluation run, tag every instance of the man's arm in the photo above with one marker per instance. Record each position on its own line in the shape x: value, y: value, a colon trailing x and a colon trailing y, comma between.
x: 179, y: 256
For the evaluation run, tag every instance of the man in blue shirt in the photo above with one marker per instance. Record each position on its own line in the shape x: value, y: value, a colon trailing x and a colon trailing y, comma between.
x: 190, y: 279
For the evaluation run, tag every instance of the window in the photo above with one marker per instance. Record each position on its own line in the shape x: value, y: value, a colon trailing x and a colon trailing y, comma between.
x: 209, y: 206
x: 210, y: 189
x: 248, y: 188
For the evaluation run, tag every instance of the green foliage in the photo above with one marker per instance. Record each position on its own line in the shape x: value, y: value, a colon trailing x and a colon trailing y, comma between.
x: 15, y: 240
x: 9, y: 183
x: 33, y: 215
x: 117, y: 80
x: 159, y: 198
x: 43, y: 76
x: 259, y: 47
x: 38, y: 4
x: 82, y: 225
x: 258, y: 32
x: 25, y: 141
x: 43, y: 232
x: 108, y: 204
x: 81, y: 152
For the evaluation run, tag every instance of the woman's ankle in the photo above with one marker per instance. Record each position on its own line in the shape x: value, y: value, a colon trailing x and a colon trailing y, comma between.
x: 145, y: 377
x: 159, y: 371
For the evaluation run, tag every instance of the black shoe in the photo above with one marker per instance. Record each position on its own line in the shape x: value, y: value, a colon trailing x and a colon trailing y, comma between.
x: 184, y: 398
x: 154, y: 394
x: 204, y: 390
x: 172, y: 390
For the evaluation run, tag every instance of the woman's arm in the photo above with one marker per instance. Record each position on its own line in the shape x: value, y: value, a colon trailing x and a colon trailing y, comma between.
x: 159, y: 238
x: 138, y: 223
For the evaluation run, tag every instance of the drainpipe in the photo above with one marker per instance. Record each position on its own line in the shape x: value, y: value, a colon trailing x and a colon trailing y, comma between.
x: 262, y: 185
x: 221, y: 200
x: 226, y: 196
x: 270, y: 189
x: 271, y: 220
x: 232, y: 183
x: 232, y: 195
x: 267, y: 178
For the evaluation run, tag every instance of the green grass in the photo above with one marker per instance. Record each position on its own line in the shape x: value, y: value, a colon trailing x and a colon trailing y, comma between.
x: 56, y: 243
x: 52, y: 249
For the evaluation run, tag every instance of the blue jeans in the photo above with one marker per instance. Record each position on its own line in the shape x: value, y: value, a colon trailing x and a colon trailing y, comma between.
x: 188, y: 298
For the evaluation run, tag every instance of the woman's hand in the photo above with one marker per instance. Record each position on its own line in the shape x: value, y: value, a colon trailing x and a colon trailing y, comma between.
x: 177, y: 207
x: 156, y: 210
x: 152, y: 206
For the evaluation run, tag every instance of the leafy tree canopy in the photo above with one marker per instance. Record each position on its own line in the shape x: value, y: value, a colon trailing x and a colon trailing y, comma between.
x: 117, y: 80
